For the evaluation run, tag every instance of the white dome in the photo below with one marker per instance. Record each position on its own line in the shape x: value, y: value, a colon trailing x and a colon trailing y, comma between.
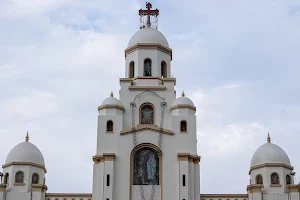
x: 183, y: 100
x: 148, y: 35
x: 111, y: 100
x: 269, y: 153
x: 25, y: 152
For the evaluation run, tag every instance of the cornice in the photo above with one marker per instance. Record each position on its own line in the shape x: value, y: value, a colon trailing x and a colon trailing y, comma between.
x: 110, y: 106
x: 157, y: 46
x: 68, y: 195
x: 271, y: 165
x: 224, y: 195
x: 182, y: 106
x: 159, y: 87
x: 25, y: 163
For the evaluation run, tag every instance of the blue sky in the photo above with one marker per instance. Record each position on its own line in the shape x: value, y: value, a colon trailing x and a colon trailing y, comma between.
x: 237, y: 60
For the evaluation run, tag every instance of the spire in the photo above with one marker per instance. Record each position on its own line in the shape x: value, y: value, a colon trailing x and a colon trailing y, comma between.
x: 269, y: 139
x: 27, y: 137
x: 111, y: 94
x: 183, y: 94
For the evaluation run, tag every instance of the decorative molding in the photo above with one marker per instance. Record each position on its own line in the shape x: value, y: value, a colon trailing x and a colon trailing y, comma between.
x: 104, y: 157
x: 183, y: 106
x: 158, y: 87
x: 189, y: 157
x: 2, y: 187
x: 25, y: 163
x: 68, y: 195
x: 19, y: 184
x: 142, y: 127
x: 110, y: 106
x: 271, y: 165
x: 275, y: 185
x: 254, y: 188
x: 293, y: 188
x: 224, y: 195
x: 157, y: 46
x: 39, y: 187
x: 149, y: 77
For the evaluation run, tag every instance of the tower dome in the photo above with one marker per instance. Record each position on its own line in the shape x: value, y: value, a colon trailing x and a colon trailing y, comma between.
x: 148, y: 35
x: 183, y: 100
x: 111, y: 101
x: 269, y: 153
x: 25, y: 152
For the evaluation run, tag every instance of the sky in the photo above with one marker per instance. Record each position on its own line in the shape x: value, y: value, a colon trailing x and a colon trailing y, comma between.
x: 237, y: 60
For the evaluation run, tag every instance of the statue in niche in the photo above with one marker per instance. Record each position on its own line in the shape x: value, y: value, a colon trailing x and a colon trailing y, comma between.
x: 147, y: 68
x: 147, y: 114
x: 146, y: 167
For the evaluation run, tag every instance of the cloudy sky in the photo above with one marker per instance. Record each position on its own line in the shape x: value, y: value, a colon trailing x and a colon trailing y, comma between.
x: 237, y: 60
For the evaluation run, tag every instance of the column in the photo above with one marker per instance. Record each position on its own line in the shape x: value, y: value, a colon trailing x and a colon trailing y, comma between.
x: 183, y: 159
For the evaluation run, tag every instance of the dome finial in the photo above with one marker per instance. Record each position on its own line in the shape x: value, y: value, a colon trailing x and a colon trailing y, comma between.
x: 111, y: 94
x: 183, y: 94
x: 269, y: 139
x: 27, y: 137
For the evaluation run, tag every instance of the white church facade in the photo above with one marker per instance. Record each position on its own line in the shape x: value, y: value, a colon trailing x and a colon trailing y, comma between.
x: 147, y: 141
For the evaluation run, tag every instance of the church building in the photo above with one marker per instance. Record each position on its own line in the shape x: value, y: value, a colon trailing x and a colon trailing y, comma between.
x: 147, y: 141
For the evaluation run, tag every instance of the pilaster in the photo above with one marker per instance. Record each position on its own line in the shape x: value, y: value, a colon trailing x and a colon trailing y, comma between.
x: 254, y: 191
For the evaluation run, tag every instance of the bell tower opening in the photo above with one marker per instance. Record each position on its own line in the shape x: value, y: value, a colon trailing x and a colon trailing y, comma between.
x: 147, y: 67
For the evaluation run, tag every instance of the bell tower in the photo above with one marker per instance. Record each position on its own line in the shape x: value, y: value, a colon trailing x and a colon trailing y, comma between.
x: 146, y: 140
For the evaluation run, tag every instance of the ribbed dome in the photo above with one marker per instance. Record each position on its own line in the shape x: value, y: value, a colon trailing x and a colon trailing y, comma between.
x: 148, y: 35
x: 111, y: 100
x: 182, y: 100
x: 25, y: 152
x: 269, y: 153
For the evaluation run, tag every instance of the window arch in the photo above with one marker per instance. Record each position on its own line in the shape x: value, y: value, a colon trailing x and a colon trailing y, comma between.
x: 288, y: 179
x: 163, y: 69
x: 35, y: 178
x: 259, y: 179
x: 146, y: 165
x: 6, y: 178
x: 274, y: 178
x: 109, y: 126
x: 19, y: 177
x: 147, y: 113
x: 183, y: 126
x: 147, y: 67
x: 131, y: 69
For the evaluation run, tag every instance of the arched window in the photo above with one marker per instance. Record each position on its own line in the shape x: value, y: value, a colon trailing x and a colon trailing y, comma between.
x: 109, y: 126
x: 274, y: 178
x: 146, y: 164
x: 131, y: 69
x: 147, y: 114
x: 183, y: 126
x: 259, y: 179
x: 19, y: 178
x: 6, y: 178
x: 147, y: 67
x: 163, y: 70
x: 35, y: 178
x: 288, y: 179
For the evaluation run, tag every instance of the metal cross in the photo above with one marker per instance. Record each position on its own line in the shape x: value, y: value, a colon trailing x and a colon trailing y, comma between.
x: 148, y: 12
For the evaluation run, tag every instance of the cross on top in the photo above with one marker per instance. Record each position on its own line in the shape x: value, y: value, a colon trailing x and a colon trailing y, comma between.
x: 148, y: 12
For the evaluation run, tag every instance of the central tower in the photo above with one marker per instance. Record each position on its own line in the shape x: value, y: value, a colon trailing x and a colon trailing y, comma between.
x: 146, y: 139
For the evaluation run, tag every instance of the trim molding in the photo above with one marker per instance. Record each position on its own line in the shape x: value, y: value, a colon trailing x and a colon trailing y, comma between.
x: 293, y: 188
x: 224, y: 195
x: 25, y: 163
x: 68, y: 195
x: 159, y: 87
x: 104, y: 157
x: 271, y: 165
x: 189, y: 157
x: 110, y: 106
x: 254, y: 188
x: 157, y: 46
x: 182, y: 106
x: 142, y: 127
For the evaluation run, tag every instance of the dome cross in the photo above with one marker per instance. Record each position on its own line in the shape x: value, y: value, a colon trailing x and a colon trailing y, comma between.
x: 149, y: 13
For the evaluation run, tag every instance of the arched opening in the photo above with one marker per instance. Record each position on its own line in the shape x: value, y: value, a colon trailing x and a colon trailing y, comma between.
x: 147, y: 113
x: 274, y: 178
x: 147, y: 67
x: 109, y: 126
x: 259, y: 179
x: 35, y: 178
x: 131, y: 69
x: 19, y: 177
x: 146, y: 165
x: 288, y: 179
x: 183, y: 126
x: 6, y: 178
x: 163, y: 70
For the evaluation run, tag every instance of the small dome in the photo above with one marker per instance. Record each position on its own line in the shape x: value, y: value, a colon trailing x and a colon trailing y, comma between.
x: 183, y: 100
x: 111, y: 100
x: 25, y: 152
x: 269, y: 153
x: 148, y: 35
